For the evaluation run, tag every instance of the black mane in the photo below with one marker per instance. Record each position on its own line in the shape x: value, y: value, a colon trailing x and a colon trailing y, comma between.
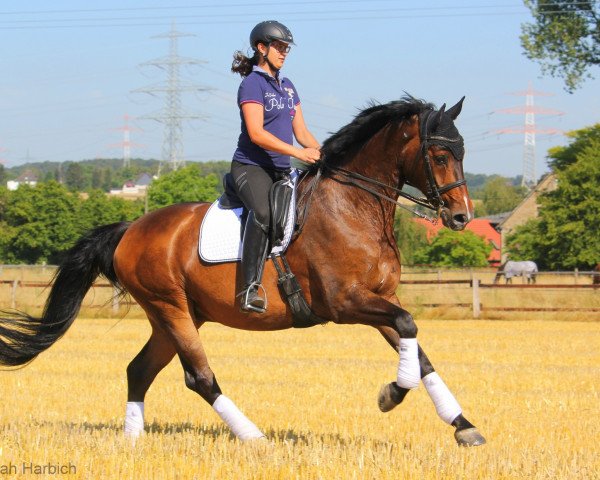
x: 349, y: 139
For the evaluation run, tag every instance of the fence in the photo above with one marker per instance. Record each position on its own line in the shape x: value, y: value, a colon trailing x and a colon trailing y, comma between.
x: 553, y: 292
x: 15, y: 285
x: 476, y: 287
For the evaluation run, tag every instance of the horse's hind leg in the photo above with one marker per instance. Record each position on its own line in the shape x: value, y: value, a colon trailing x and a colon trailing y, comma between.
x: 198, y: 376
x: 141, y: 372
x: 446, y: 406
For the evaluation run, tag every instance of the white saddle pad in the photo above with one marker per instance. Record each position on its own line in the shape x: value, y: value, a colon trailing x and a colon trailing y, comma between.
x: 221, y: 232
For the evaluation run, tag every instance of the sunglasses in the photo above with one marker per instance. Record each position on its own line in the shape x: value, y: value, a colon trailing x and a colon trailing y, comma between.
x: 281, y: 47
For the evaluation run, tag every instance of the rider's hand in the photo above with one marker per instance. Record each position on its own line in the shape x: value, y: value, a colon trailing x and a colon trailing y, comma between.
x: 309, y: 155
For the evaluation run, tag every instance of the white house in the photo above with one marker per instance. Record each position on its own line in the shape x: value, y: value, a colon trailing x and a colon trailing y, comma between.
x: 26, y: 178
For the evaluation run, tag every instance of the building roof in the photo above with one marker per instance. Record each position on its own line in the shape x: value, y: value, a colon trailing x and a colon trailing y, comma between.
x: 478, y: 226
x: 547, y: 183
x: 27, y: 176
x: 496, y: 219
x: 143, y: 180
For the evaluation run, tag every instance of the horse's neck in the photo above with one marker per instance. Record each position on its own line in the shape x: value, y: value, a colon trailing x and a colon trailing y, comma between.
x: 375, y: 161
x: 347, y: 203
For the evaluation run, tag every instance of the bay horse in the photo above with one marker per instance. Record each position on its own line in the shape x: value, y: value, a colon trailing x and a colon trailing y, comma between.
x: 346, y: 261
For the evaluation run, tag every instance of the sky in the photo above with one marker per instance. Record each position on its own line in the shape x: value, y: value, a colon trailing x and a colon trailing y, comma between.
x: 72, y: 71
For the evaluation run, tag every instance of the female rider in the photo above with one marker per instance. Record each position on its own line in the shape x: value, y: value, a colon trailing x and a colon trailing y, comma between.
x: 271, y: 118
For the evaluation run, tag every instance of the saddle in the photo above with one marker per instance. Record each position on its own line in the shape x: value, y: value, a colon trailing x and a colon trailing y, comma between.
x: 221, y: 233
x: 280, y: 199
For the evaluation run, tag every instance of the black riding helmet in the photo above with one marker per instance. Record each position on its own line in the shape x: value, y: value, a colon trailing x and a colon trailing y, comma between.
x: 269, y: 31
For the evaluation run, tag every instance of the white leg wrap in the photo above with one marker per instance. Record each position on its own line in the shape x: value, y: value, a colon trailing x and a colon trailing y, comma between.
x: 239, y: 424
x: 134, y: 419
x: 409, y: 371
x: 446, y: 405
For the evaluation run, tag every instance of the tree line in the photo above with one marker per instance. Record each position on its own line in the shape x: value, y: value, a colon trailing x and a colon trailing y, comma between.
x: 564, y: 235
x: 38, y: 223
x: 100, y: 173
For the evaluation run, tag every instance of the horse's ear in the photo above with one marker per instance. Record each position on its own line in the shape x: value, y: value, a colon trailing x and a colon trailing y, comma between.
x: 436, y: 118
x: 455, y: 110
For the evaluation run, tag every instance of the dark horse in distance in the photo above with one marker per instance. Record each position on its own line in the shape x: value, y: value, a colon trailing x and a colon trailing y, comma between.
x: 346, y: 261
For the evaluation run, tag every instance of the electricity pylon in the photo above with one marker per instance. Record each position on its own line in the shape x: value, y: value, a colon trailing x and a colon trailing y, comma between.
x: 529, y: 179
x: 173, y: 114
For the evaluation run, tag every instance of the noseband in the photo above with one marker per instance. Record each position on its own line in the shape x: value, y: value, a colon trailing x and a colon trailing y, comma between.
x: 433, y: 200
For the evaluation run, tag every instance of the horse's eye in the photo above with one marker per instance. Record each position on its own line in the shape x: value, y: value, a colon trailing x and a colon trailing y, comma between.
x: 441, y: 159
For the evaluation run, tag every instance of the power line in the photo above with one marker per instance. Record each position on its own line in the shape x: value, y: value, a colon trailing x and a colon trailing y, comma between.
x: 332, y: 15
x: 253, y: 5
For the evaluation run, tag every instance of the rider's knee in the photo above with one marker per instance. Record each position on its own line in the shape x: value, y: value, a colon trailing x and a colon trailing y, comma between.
x: 262, y: 215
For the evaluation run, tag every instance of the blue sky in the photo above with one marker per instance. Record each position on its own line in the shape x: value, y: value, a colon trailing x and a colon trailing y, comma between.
x: 71, y: 68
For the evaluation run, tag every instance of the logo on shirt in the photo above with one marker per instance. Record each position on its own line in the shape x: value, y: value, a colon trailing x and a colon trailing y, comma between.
x: 290, y: 92
x: 271, y: 102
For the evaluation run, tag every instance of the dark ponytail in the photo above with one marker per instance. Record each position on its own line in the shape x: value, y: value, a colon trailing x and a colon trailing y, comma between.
x: 243, y: 64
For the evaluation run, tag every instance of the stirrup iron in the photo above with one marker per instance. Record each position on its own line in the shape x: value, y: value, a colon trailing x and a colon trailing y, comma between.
x: 246, y: 305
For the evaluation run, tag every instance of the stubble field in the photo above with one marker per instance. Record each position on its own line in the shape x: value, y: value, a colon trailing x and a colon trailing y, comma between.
x: 530, y: 386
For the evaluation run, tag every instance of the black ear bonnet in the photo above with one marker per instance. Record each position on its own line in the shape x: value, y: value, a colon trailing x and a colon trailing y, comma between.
x: 437, y: 128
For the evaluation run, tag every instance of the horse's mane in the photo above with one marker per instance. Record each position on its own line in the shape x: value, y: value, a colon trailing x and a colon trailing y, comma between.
x: 349, y: 139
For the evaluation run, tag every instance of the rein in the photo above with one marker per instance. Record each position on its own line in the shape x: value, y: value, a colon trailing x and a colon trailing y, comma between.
x: 352, y: 178
x: 433, y: 199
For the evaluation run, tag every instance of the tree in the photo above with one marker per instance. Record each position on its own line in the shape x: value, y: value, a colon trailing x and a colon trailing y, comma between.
x: 107, y: 184
x: 455, y: 249
x: 183, y: 185
x: 564, y: 38
x: 75, y: 178
x: 38, y: 222
x: 101, y: 209
x: 499, y: 195
x: 97, y: 178
x: 561, y: 157
x: 410, y: 236
x: 565, y: 234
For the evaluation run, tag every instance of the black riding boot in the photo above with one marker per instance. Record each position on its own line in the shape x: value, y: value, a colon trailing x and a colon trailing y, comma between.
x: 254, y: 254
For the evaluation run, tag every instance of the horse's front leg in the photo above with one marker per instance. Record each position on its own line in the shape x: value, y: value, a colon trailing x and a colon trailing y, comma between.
x: 446, y: 406
x: 363, y: 306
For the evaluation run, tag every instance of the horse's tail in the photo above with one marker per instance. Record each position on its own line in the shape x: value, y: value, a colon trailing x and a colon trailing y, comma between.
x: 22, y: 336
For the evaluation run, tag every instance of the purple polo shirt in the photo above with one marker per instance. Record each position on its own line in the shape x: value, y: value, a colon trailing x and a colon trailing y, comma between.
x: 279, y: 102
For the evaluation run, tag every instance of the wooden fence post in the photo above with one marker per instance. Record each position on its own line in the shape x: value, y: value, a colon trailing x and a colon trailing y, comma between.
x: 476, y: 302
x: 13, y: 294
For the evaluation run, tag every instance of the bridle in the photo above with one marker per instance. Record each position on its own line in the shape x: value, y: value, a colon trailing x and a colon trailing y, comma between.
x: 433, y: 199
x: 434, y: 191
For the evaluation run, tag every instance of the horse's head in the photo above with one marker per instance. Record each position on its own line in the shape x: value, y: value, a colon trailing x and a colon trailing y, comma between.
x: 437, y: 168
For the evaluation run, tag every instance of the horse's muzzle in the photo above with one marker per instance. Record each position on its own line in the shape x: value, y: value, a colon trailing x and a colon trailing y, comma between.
x: 457, y: 221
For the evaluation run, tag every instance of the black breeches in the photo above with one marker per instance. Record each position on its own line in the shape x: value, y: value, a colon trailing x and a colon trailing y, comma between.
x: 253, y: 184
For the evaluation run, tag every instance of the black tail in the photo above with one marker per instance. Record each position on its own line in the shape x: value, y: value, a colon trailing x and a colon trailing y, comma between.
x: 23, y: 337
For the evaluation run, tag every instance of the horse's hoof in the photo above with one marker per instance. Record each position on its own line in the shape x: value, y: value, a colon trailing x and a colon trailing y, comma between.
x: 469, y: 437
x: 390, y: 396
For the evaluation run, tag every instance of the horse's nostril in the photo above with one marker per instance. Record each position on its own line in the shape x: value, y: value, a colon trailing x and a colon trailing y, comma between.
x: 460, y: 218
